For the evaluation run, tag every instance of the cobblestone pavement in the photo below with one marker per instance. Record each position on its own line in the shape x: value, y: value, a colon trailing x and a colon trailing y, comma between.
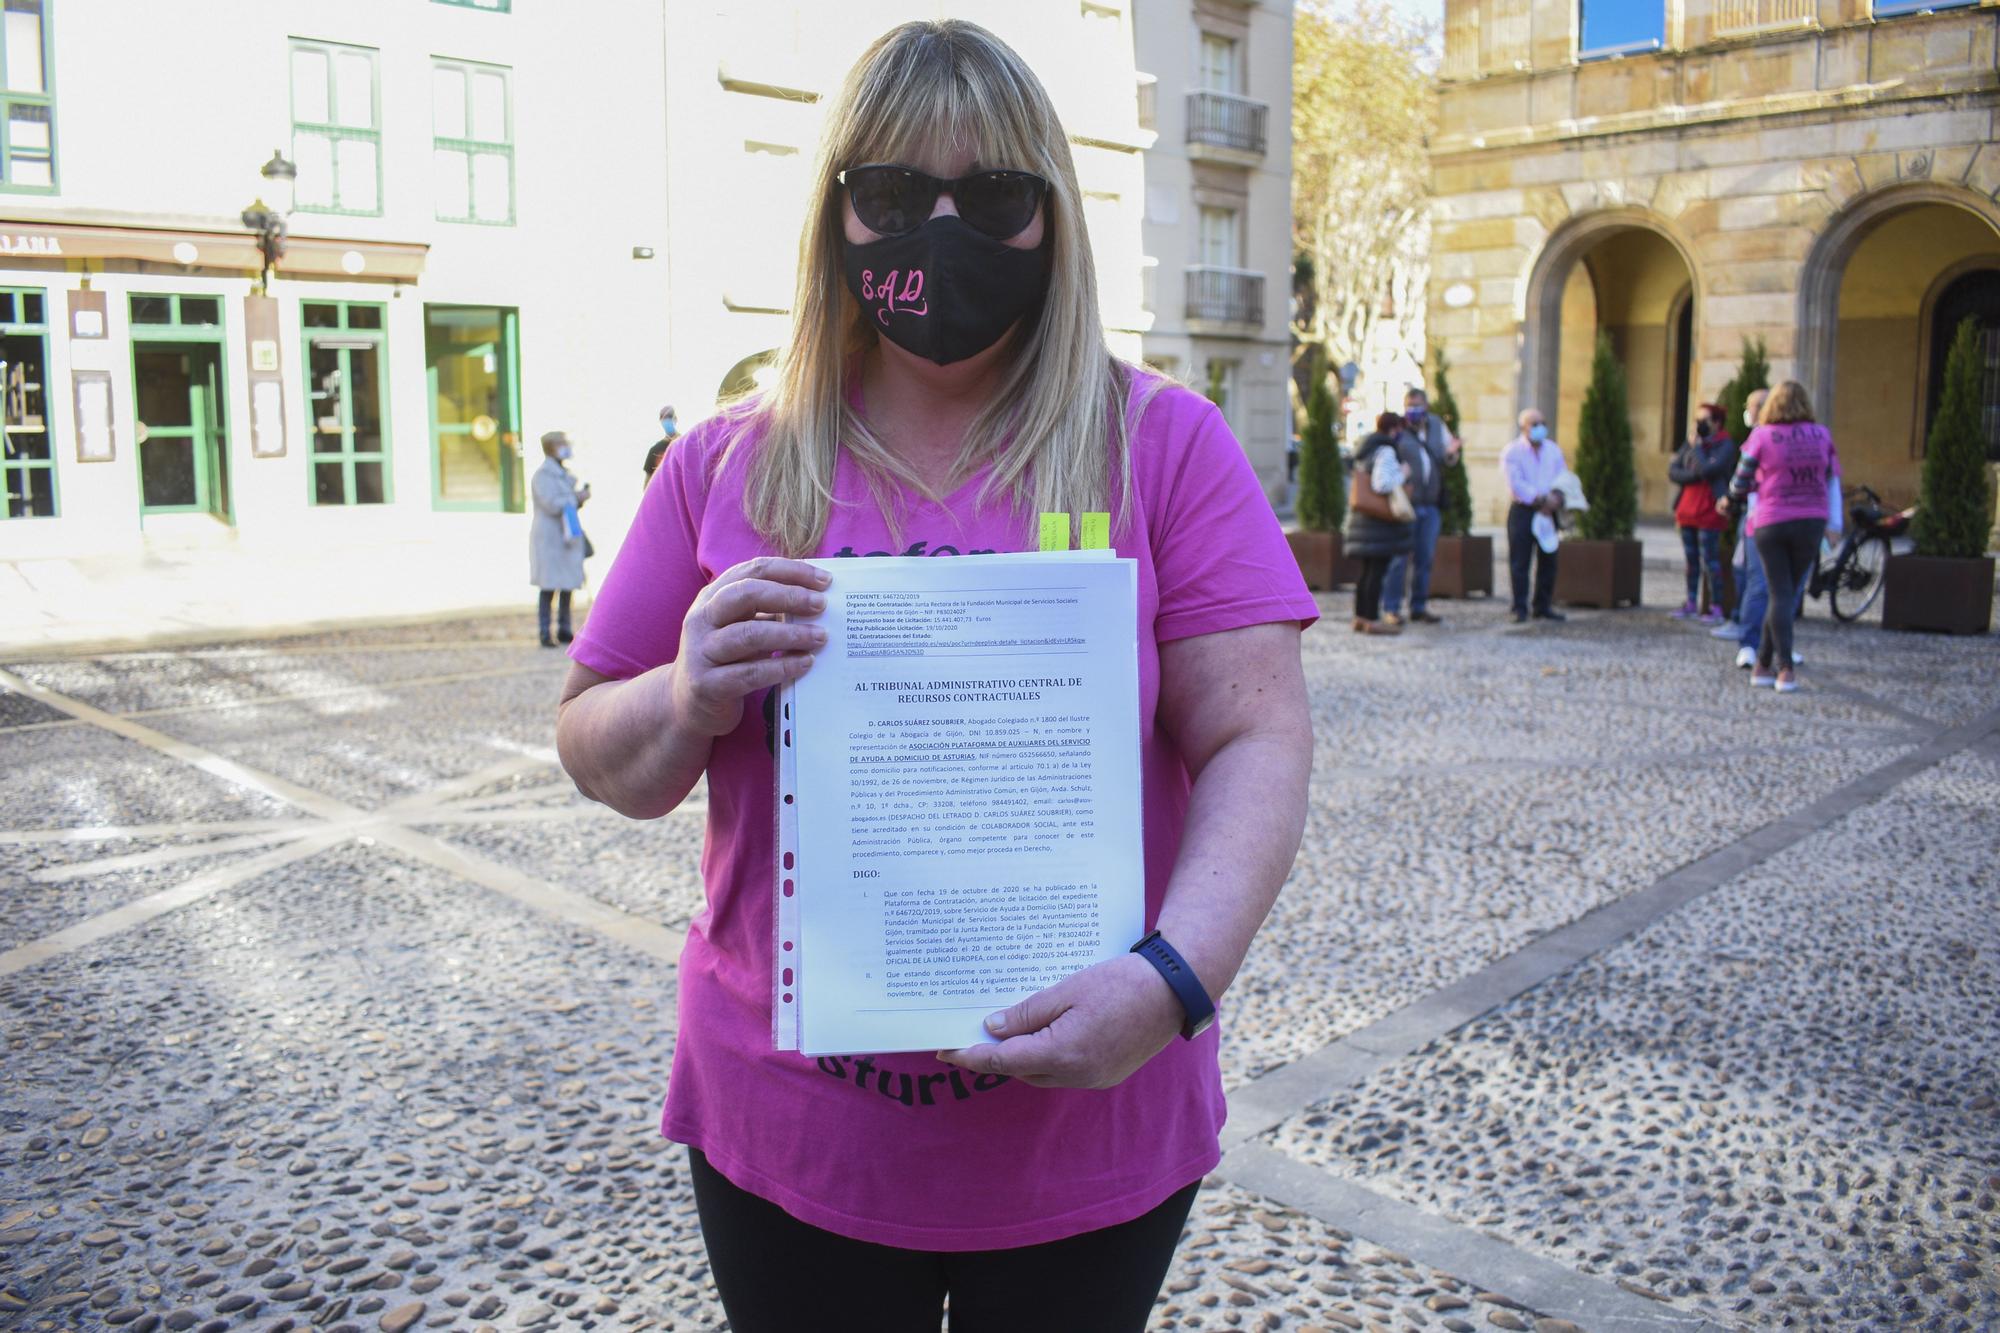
x: 328, y: 1003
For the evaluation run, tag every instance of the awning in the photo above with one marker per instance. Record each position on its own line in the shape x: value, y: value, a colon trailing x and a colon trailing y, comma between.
x: 305, y: 256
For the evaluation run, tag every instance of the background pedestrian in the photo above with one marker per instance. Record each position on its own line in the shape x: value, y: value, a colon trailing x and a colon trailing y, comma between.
x: 1372, y: 538
x: 1530, y: 466
x: 1789, y: 460
x: 669, y: 429
x: 1702, y: 469
x: 556, y: 544
x: 1432, y: 448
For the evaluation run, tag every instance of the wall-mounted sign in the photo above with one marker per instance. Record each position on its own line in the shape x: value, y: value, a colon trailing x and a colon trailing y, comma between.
x: 267, y: 419
x: 29, y: 243
x: 1459, y: 295
x: 96, y: 440
x: 267, y: 385
x: 87, y: 311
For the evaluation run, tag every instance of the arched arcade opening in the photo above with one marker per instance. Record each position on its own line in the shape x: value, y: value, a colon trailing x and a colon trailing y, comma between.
x: 1623, y: 274
x: 1882, y: 295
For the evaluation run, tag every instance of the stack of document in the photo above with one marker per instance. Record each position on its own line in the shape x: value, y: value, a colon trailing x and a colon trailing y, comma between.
x: 959, y: 819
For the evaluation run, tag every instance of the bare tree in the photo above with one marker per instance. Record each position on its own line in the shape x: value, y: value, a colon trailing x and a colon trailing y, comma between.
x: 1364, y: 101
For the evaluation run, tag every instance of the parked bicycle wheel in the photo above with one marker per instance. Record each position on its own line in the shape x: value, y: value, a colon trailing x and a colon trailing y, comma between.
x: 1857, y: 580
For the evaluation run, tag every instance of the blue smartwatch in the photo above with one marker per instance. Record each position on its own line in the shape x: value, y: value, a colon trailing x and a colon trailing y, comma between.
x: 1200, y: 1010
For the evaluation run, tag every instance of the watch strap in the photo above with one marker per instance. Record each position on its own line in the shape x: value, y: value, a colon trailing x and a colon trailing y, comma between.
x: 1198, y: 1009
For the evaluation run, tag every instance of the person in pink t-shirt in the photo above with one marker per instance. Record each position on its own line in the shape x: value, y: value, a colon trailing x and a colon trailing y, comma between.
x: 946, y: 381
x: 1790, y: 462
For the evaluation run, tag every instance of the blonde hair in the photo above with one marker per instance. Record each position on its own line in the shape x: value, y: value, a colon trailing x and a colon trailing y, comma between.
x: 1788, y: 403
x: 1056, y: 430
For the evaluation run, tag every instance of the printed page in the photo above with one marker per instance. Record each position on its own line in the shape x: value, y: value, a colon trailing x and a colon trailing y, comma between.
x: 960, y: 813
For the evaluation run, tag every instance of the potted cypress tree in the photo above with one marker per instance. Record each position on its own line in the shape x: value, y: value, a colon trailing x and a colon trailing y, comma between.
x: 1464, y: 563
x: 1322, y: 495
x: 1948, y: 584
x: 1602, y: 566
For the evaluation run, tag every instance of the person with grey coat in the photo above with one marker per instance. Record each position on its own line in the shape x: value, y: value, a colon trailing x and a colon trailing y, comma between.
x: 1431, y: 448
x: 1381, y: 465
x: 556, y: 544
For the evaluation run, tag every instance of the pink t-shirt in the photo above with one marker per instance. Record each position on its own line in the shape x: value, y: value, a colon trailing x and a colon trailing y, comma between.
x: 1792, y: 464
x: 901, y: 1149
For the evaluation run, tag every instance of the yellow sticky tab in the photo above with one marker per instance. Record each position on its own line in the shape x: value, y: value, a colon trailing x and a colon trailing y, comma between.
x: 1097, y: 532
x: 1055, y: 532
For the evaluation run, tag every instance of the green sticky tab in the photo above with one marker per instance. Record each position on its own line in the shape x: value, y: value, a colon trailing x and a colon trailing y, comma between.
x: 1097, y: 532
x: 1055, y: 532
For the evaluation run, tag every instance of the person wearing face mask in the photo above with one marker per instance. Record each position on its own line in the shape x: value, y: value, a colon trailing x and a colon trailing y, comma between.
x: 1530, y: 466
x: 669, y: 428
x: 1431, y: 448
x: 946, y: 382
x: 1702, y: 469
x: 556, y: 544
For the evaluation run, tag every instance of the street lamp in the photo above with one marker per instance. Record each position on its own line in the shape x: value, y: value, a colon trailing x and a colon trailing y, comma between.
x: 268, y: 221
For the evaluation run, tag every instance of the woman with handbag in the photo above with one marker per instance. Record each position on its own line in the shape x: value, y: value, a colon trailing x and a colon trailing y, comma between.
x: 557, y: 547
x: 1379, y: 519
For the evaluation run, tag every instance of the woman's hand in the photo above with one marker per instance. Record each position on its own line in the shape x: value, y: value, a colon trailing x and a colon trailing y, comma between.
x: 1722, y: 506
x: 1089, y: 1030
x: 732, y: 645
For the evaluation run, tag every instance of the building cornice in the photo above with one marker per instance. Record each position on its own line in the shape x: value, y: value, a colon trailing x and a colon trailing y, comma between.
x: 1656, y: 119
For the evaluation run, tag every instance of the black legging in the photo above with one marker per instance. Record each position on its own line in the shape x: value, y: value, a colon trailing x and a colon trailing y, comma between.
x: 1788, y: 551
x: 776, y: 1274
x: 1368, y: 588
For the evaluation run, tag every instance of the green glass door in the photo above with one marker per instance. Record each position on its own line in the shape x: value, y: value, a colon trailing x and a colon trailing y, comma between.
x: 183, y: 468
x: 471, y: 356
x: 178, y: 391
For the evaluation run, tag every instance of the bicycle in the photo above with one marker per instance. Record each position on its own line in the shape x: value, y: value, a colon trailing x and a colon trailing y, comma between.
x: 1851, y: 577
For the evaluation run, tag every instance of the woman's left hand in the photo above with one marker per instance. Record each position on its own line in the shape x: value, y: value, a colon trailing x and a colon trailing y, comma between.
x: 1089, y: 1030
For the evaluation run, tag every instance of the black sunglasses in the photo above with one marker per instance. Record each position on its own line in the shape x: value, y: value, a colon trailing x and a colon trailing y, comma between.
x: 893, y: 200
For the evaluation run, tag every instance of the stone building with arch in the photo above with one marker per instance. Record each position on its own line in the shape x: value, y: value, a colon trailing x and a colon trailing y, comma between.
x: 1684, y: 174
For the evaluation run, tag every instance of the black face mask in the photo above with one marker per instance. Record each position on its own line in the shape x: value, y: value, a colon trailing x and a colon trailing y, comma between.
x: 1704, y: 429
x: 945, y: 291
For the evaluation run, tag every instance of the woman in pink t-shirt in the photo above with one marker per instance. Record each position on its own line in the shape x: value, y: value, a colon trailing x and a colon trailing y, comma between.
x: 1790, y: 462
x: 946, y: 381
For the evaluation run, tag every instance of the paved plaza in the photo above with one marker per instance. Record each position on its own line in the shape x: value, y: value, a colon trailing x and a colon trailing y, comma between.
x: 1607, y: 994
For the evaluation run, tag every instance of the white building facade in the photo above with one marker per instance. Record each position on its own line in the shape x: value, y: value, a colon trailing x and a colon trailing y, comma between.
x: 1216, y: 87
x: 460, y: 277
x: 512, y: 216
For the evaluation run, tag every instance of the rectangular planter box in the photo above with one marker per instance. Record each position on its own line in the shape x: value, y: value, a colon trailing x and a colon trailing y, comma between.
x: 1464, y: 566
x: 1599, y: 573
x: 1317, y: 554
x: 1925, y: 592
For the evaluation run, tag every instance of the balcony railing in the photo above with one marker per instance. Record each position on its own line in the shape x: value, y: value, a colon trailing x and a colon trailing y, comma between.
x: 1224, y: 120
x: 1225, y: 295
x: 1734, y: 18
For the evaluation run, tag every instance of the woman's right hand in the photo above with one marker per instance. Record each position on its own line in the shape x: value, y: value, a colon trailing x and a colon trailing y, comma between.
x: 733, y: 645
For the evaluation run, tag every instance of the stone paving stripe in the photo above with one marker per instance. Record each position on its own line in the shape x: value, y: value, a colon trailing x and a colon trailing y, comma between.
x: 650, y: 937
x: 1471, y: 1256
x: 159, y: 904
x: 191, y: 851
x: 634, y: 932
x: 267, y: 784
x: 424, y: 802
x: 113, y: 832
x: 1276, y: 1096
x: 336, y: 691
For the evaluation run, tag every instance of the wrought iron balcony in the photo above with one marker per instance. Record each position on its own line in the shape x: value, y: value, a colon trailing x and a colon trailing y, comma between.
x: 1224, y: 295
x: 1226, y: 121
